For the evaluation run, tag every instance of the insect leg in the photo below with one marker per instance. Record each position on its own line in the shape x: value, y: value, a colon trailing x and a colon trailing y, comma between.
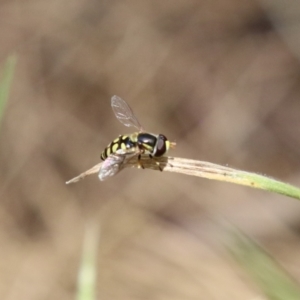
x: 156, y: 162
x: 140, y: 165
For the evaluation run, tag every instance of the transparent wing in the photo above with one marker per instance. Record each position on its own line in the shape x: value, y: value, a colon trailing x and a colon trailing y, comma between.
x: 124, y: 113
x: 111, y: 166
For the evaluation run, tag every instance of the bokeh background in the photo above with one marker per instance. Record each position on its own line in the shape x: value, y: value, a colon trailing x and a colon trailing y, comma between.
x: 221, y: 78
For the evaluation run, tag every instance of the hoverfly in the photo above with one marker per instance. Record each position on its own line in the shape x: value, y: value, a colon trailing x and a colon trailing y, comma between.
x: 123, y: 148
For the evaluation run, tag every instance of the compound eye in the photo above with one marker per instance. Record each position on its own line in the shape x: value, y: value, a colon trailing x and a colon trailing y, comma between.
x: 161, y: 147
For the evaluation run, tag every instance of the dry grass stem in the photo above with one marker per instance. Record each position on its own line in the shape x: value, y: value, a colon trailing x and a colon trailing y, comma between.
x: 178, y: 165
x: 203, y: 169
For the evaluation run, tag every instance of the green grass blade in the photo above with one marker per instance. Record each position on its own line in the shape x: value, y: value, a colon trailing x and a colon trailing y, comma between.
x: 87, y: 272
x: 5, y: 83
x: 275, y: 283
x: 215, y: 172
x: 205, y: 170
x: 267, y: 183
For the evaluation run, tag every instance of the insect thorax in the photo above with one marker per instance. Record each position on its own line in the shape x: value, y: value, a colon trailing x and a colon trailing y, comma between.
x: 154, y: 144
x: 123, y: 142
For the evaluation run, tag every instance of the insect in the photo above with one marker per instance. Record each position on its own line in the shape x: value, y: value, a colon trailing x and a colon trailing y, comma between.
x: 123, y: 148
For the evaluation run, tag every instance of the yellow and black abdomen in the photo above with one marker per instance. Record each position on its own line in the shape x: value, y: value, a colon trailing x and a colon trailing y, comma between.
x: 123, y: 142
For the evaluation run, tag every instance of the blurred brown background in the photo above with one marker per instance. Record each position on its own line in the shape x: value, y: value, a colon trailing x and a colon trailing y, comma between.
x: 219, y: 78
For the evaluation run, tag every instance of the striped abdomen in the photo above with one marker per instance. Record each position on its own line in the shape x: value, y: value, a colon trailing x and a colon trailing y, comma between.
x: 122, y: 142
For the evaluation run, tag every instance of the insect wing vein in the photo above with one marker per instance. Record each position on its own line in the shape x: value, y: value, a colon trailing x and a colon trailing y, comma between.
x: 111, y: 166
x: 124, y: 113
